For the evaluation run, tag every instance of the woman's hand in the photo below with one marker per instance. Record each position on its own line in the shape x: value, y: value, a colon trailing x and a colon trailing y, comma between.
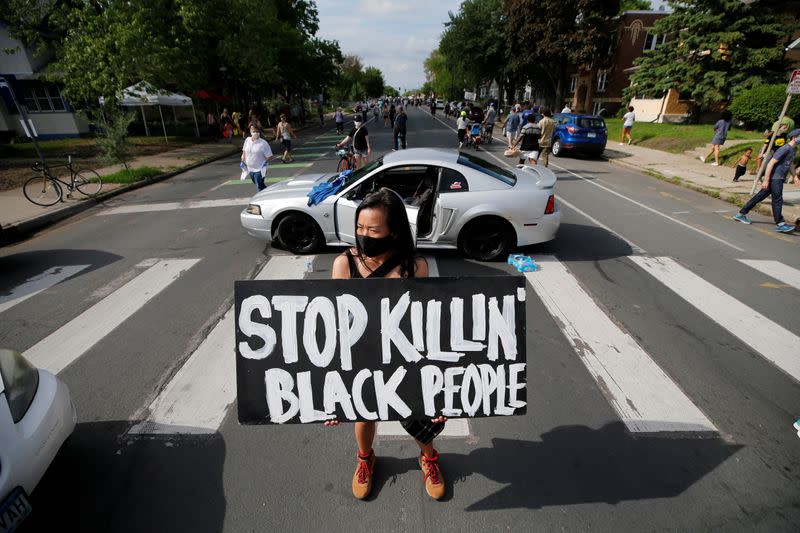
x: 333, y: 422
x: 439, y: 419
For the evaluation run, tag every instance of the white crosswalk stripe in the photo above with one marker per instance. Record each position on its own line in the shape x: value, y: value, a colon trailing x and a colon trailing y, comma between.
x: 771, y: 340
x: 777, y: 270
x: 56, y: 351
x: 646, y: 399
x: 197, y: 398
x: 174, y: 206
x: 37, y: 284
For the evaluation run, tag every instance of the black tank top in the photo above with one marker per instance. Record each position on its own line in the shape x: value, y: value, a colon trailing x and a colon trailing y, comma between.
x: 379, y: 272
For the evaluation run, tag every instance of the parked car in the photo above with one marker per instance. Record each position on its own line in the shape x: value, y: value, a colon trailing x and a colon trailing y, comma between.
x: 454, y: 200
x: 585, y: 134
x: 36, y: 417
x: 439, y: 103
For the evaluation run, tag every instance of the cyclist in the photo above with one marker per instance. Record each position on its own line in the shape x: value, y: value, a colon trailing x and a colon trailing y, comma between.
x: 488, y: 122
x: 360, y: 138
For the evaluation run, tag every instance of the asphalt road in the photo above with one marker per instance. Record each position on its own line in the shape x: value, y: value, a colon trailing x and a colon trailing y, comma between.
x: 641, y: 268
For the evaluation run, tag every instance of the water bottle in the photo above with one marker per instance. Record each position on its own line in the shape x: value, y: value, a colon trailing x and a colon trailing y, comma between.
x: 309, y: 265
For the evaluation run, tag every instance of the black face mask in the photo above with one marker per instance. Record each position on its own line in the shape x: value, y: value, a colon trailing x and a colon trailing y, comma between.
x: 372, y: 246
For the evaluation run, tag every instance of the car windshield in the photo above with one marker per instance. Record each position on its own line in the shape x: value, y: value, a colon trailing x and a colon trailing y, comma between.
x: 481, y: 165
x: 594, y: 123
x: 358, y: 174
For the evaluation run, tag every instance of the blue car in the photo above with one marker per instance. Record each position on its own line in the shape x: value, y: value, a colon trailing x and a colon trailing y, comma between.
x: 585, y: 134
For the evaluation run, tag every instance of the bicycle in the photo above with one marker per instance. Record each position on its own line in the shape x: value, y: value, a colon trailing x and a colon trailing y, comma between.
x: 347, y: 159
x: 48, y: 189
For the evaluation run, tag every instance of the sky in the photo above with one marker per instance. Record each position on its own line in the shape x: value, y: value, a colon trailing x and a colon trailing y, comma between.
x: 394, y: 35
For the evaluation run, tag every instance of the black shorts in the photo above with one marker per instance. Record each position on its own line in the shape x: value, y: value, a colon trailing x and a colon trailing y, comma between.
x: 287, y: 144
x: 741, y: 170
x: 461, y: 135
x: 422, y: 429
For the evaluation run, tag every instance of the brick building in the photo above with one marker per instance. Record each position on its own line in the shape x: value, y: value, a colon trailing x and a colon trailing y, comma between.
x: 611, y: 74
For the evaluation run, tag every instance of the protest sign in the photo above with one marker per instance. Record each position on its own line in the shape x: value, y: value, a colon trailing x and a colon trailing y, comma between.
x: 379, y: 349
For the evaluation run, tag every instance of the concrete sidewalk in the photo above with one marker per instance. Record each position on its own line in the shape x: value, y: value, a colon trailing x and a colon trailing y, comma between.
x: 688, y: 171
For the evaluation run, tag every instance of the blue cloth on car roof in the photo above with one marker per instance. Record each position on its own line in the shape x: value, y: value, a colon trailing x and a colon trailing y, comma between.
x: 323, y: 190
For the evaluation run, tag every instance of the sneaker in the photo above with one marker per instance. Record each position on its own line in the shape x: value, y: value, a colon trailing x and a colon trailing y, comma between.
x: 715, y: 164
x: 434, y: 481
x: 362, y: 479
x: 742, y: 218
x: 629, y: 141
x: 785, y: 228
x: 703, y: 159
x: 622, y: 144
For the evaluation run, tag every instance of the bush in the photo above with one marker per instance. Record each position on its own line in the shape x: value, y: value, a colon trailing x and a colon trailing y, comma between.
x: 113, y: 142
x: 759, y: 107
x: 131, y: 175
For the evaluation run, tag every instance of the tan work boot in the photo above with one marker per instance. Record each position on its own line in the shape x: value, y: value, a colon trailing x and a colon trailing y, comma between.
x: 362, y: 479
x: 434, y: 480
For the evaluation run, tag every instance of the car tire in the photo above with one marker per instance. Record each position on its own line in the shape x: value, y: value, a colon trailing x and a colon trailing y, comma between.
x: 557, y: 149
x: 299, y: 234
x: 486, y: 238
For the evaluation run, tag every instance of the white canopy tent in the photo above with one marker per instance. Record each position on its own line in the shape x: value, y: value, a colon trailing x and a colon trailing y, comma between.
x: 145, y: 94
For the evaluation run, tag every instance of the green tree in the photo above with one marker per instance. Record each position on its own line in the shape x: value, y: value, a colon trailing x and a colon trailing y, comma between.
x: 715, y: 48
x: 634, y: 5
x: 559, y: 35
x: 388, y: 90
x: 759, y: 107
x: 373, y: 82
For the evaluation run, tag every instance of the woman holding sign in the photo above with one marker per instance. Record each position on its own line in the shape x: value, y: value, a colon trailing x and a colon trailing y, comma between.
x: 385, y: 248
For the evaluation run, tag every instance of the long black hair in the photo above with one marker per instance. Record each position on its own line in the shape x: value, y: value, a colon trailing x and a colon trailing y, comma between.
x: 397, y: 220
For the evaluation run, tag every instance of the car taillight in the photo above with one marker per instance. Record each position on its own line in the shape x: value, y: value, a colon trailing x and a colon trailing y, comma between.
x: 572, y: 129
x: 551, y: 205
x: 21, y: 380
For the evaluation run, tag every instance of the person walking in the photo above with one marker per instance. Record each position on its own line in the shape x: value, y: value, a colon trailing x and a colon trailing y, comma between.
x: 256, y: 155
x: 211, y: 122
x: 433, y: 109
x: 360, y: 138
x: 285, y: 133
x: 399, y: 131
x: 778, y: 168
x: 226, y: 125
x: 528, y: 141
x: 512, y: 126
x: 385, y: 248
x: 386, y: 114
x: 254, y: 122
x: 741, y: 163
x: 721, y: 129
x: 392, y: 114
x: 488, y: 122
x: 546, y: 128
x: 461, y: 128
x: 338, y: 117
x: 627, y: 124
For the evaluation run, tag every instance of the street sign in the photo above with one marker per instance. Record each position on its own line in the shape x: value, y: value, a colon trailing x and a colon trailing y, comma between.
x: 380, y: 349
x: 794, y: 83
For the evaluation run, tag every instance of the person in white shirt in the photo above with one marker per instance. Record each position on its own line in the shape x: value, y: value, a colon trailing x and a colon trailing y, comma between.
x: 566, y: 109
x: 627, y: 124
x: 256, y: 155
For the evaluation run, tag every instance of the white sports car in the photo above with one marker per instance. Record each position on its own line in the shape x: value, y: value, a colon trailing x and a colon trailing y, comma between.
x: 454, y: 200
x: 36, y: 417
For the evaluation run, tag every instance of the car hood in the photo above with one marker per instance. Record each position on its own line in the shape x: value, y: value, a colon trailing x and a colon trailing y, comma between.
x: 298, y: 186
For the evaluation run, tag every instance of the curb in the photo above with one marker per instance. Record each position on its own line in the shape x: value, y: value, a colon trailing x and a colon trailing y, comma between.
x: 761, y: 209
x: 17, y: 232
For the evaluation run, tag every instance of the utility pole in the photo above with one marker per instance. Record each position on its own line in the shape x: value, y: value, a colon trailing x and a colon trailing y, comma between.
x: 792, y: 88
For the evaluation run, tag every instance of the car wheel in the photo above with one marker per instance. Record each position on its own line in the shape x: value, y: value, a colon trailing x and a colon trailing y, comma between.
x: 486, y: 239
x: 299, y: 234
x: 557, y: 149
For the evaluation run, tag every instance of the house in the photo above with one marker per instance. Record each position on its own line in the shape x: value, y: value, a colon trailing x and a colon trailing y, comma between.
x: 50, y: 113
x: 611, y: 75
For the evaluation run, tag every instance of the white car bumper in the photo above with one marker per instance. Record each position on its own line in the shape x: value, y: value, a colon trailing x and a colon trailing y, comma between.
x: 545, y: 229
x: 28, y: 447
x: 256, y: 225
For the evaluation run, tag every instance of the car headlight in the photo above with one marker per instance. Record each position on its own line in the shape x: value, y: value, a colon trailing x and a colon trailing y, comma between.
x: 254, y: 209
x: 21, y: 380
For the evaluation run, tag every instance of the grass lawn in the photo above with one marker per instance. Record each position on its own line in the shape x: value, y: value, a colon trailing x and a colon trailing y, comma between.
x: 674, y: 138
x: 132, y: 175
